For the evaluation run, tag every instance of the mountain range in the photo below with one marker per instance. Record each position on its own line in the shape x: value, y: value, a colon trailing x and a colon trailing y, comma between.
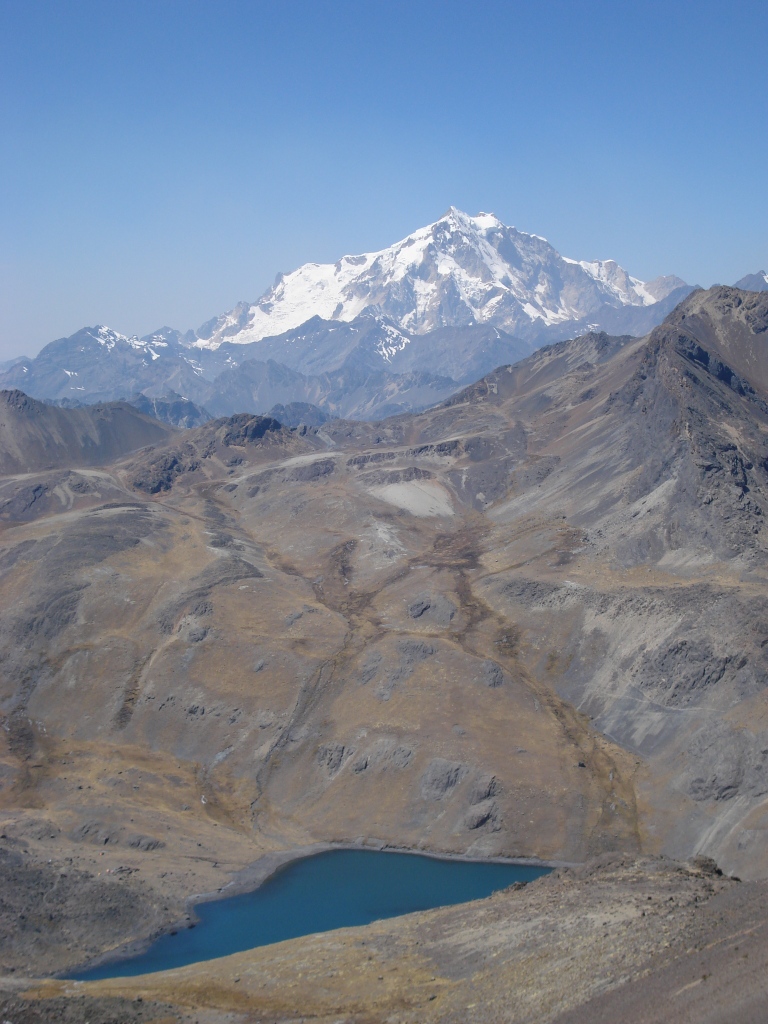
x: 530, y: 622
x: 461, y: 270
x: 366, y: 337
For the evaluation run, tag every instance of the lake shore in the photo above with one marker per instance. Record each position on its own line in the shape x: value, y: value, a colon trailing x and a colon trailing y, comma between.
x: 249, y: 879
x: 666, y: 942
x: 255, y: 874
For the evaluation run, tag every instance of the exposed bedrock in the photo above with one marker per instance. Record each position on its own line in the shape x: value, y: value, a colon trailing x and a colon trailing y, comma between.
x: 676, y: 673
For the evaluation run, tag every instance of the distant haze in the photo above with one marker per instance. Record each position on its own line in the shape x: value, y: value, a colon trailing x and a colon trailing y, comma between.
x: 162, y: 162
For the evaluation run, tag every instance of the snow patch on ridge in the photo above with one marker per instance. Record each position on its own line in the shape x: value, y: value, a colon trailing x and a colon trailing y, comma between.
x: 109, y: 338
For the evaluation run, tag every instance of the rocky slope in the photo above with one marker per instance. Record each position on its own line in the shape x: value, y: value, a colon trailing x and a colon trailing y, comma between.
x: 173, y: 410
x: 754, y: 282
x: 528, y: 622
x: 35, y: 436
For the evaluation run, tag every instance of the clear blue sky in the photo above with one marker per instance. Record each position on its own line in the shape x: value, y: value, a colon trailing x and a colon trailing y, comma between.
x: 161, y: 160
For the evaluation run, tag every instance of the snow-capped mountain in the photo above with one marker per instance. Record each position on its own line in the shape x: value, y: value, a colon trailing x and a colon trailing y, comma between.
x: 366, y: 337
x: 461, y: 270
x: 162, y: 374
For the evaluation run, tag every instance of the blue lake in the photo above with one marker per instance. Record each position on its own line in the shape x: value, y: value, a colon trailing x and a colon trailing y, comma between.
x: 336, y: 889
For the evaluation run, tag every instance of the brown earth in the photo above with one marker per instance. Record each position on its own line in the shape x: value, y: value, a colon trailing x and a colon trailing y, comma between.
x: 531, y: 622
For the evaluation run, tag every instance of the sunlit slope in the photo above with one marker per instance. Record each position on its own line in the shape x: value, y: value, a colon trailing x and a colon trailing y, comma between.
x: 528, y: 622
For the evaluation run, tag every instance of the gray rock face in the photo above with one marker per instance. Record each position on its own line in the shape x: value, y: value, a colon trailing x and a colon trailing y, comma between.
x: 331, y: 757
x: 754, y: 282
x: 723, y: 765
x: 441, y: 777
x: 493, y: 673
x: 145, y: 843
x: 434, y: 609
x: 385, y: 755
x: 411, y: 652
x: 484, y: 814
x: 295, y: 414
x: 483, y: 788
x: 172, y: 409
x: 417, y: 609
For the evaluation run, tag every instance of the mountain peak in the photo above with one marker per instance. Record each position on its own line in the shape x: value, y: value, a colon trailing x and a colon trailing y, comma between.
x: 754, y: 282
x: 108, y: 339
x: 459, y: 270
x: 105, y: 335
x: 464, y: 221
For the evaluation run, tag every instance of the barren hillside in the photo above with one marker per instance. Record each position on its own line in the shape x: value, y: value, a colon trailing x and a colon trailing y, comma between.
x: 530, y: 622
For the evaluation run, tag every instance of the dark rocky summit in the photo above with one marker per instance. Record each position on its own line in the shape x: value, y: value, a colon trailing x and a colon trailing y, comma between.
x: 35, y: 436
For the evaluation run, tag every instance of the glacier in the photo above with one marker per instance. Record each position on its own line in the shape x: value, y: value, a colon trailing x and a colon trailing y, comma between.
x: 458, y: 271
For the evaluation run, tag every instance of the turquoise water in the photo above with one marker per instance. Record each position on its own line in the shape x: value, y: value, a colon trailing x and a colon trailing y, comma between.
x: 336, y: 889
